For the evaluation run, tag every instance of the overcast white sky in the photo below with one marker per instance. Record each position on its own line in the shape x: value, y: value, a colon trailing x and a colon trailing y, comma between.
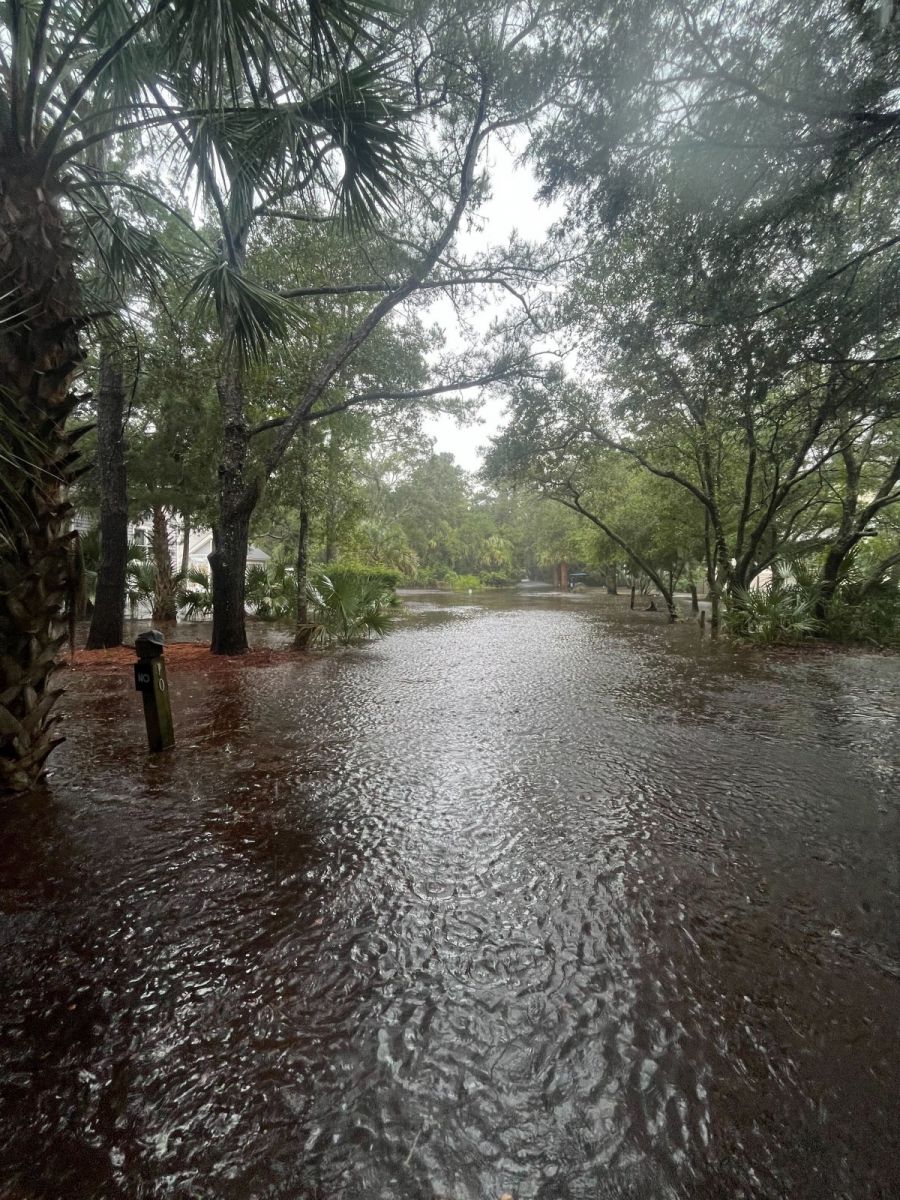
x: 512, y: 207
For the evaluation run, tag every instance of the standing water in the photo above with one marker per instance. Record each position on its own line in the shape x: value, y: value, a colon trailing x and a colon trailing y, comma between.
x: 533, y: 897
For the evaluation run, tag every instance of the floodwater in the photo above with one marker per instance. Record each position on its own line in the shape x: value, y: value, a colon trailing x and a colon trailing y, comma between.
x: 534, y: 897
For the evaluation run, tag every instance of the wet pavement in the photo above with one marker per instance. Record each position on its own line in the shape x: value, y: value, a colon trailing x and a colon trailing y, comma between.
x: 535, y: 896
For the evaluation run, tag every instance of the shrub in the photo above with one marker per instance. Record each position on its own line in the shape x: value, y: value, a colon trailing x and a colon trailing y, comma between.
x: 862, y: 612
x: 140, y: 584
x: 426, y: 577
x: 271, y: 591
x: 497, y: 579
x: 774, y: 615
x: 460, y: 583
x: 349, y: 607
x: 193, y: 593
x: 357, y: 570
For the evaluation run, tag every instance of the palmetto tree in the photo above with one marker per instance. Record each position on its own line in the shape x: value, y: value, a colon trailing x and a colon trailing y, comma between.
x: 195, y: 80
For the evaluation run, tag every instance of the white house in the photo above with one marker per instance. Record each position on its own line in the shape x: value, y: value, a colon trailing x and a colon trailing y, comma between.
x: 201, y: 548
x: 200, y: 544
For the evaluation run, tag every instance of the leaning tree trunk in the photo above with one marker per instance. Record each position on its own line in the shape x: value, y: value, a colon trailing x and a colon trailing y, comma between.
x: 164, y: 607
x: 107, y: 620
x: 39, y: 357
x: 633, y: 557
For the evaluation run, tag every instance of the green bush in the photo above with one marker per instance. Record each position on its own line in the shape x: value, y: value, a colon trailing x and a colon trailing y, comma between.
x: 460, y: 583
x: 425, y: 577
x: 193, y: 593
x: 791, y: 611
x: 272, y: 591
x: 140, y: 584
x: 865, y: 613
x: 780, y: 615
x: 349, y: 607
x: 357, y: 570
x: 497, y: 579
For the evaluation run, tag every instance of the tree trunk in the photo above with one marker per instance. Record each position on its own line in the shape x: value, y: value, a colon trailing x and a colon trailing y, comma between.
x: 237, y: 498
x: 334, y: 465
x: 164, y: 607
x: 886, y: 569
x: 831, y: 573
x: 109, y: 604
x: 186, y: 543
x: 854, y: 524
x: 303, y: 632
x: 39, y: 356
x: 228, y: 563
x: 712, y: 590
x: 612, y: 582
x: 228, y: 560
x: 633, y: 556
x: 714, y: 609
x: 695, y: 603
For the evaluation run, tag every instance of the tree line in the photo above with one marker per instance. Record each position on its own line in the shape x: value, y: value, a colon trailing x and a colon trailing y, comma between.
x: 222, y: 226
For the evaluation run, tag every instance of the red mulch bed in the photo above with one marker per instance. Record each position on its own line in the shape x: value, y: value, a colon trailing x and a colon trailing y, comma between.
x: 183, y: 656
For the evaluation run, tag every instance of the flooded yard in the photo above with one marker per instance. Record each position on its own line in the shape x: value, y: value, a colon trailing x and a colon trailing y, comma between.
x: 535, y: 897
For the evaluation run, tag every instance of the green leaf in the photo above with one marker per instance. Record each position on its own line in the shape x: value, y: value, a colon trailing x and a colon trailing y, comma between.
x: 251, y: 316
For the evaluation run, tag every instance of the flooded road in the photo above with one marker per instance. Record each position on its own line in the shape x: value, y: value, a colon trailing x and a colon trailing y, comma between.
x: 535, y: 897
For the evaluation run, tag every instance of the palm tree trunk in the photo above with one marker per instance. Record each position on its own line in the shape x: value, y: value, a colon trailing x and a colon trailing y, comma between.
x: 108, y: 618
x: 164, y: 608
x: 40, y: 354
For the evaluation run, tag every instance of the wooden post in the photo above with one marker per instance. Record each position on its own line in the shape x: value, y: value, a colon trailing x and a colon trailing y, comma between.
x: 695, y: 603
x: 150, y: 680
x: 631, y: 605
x: 702, y: 621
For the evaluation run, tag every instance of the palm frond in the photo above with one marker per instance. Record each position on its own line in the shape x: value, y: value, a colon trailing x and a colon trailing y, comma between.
x: 363, y: 116
x: 193, y: 593
x: 782, y: 614
x: 128, y: 253
x: 140, y: 583
x: 232, y: 48
x: 251, y: 315
x: 349, y: 607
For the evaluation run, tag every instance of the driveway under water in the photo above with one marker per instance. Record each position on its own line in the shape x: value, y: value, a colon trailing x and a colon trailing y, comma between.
x: 535, y: 896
